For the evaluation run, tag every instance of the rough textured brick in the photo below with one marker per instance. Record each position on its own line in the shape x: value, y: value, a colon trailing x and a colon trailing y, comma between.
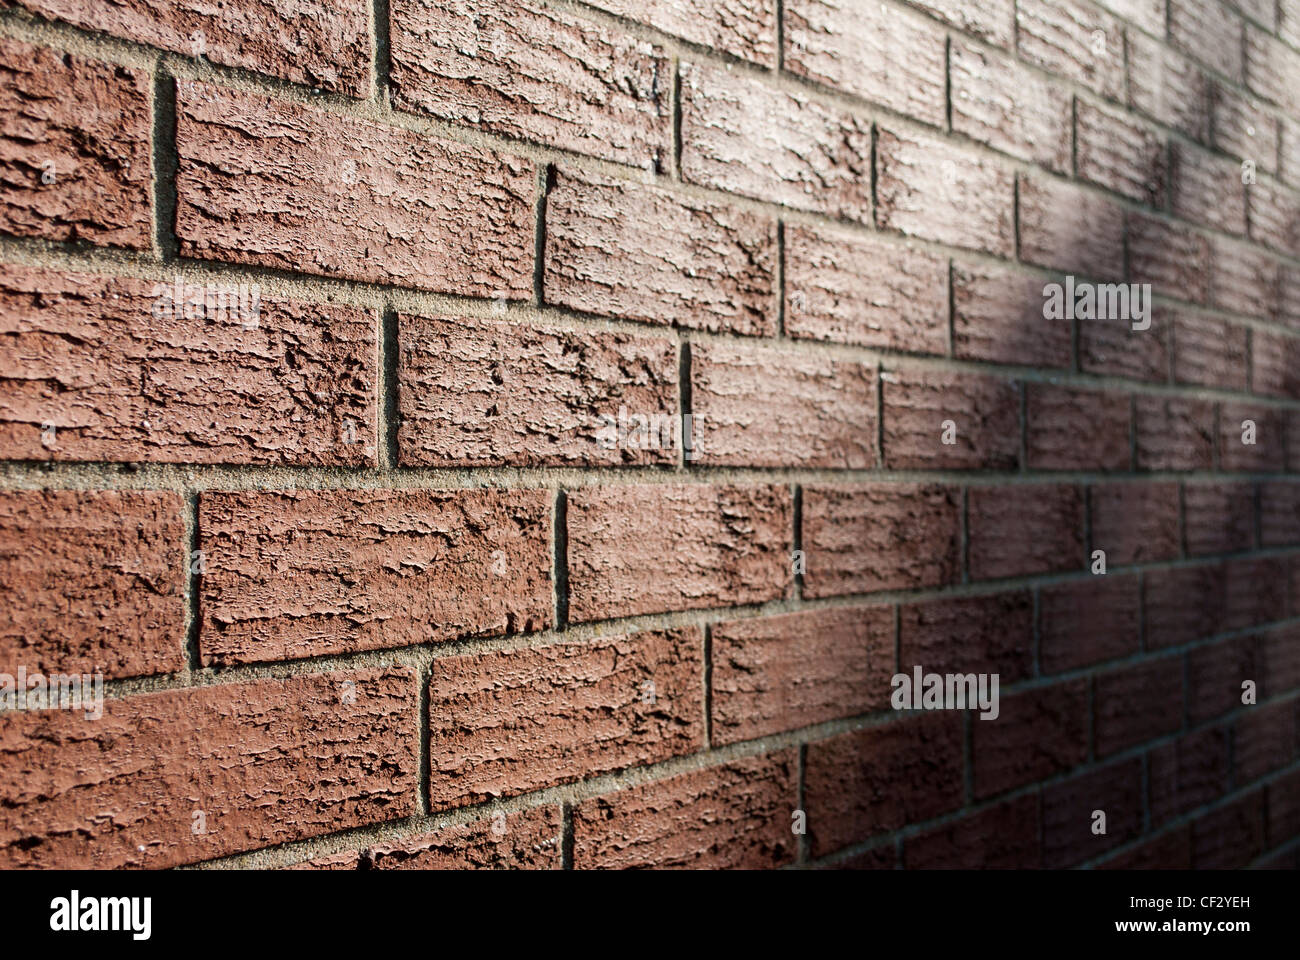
x: 1076, y: 429
x: 1279, y: 652
x: 1220, y: 517
x: 1002, y: 837
x: 1057, y: 35
x: 998, y: 317
x: 1243, y: 128
x: 1256, y: 591
x: 1137, y: 704
x: 1272, y: 69
x: 315, y: 572
x: 928, y: 188
x: 993, y: 634
x: 512, y: 721
x: 869, y: 50
x: 985, y: 412
x: 1147, y: 14
x: 1024, y: 529
x: 1183, y: 604
x: 525, y: 840
x: 862, y: 783
x: 639, y: 253
x: 1245, y: 279
x: 267, y: 762
x: 1215, y: 674
x: 1119, y: 153
x: 1206, y: 189
x: 734, y: 816
x: 1274, y: 362
x: 1264, y: 740
x: 860, y: 539
x: 1038, y: 733
x: 642, y: 549
x: 86, y: 124
x: 1001, y: 103
x: 517, y: 68
x: 1209, y: 32
x: 1167, y: 86
x: 282, y: 185
x: 1279, y: 514
x: 742, y: 136
x: 1209, y: 351
x: 993, y: 21
x: 120, y: 372
x: 1067, y: 228
x: 1288, y: 296
x: 94, y: 581
x: 861, y: 290
x: 1135, y: 522
x: 1088, y: 621
x: 1069, y: 813
x: 1111, y: 347
x: 1173, y: 433
x: 326, y: 45
x: 767, y: 407
x: 1274, y: 214
x: 476, y: 392
x: 1169, y: 851
x: 773, y: 674
x: 1188, y: 773
x: 1172, y: 258
x: 1230, y: 837
x: 1267, y: 454
x: 742, y: 28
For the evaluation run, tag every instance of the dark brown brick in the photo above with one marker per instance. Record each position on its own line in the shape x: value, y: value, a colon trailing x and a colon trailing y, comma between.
x: 985, y: 414
x: 1088, y: 621
x: 1076, y: 429
x: 1024, y: 529
x: 993, y: 634
x: 1135, y: 522
x: 1135, y: 704
x: 1038, y: 733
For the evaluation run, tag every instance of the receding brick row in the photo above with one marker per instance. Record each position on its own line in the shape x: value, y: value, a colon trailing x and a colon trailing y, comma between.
x: 742, y: 28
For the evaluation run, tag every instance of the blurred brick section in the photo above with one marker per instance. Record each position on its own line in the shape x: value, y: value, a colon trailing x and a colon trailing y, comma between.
x: 1071, y: 808
x: 1038, y: 733
x: 1218, y: 517
x: 526, y: 840
x: 349, y: 199
x: 1135, y: 522
x: 1188, y: 773
x: 74, y: 148
x: 324, y: 45
x: 642, y: 549
x: 742, y: 28
x: 1167, y: 86
x: 1137, y: 704
x: 640, y: 253
x: 854, y: 538
x: 94, y: 580
x: 509, y: 722
x: 1174, y: 433
x: 1174, y: 259
x: 738, y: 815
x: 264, y: 762
x: 985, y: 415
x: 303, y: 574
x: 1068, y: 228
x: 993, y: 307
x: 1023, y: 529
x: 763, y: 407
x: 1120, y: 154
x: 773, y: 674
x: 992, y: 21
x: 119, y: 369
x: 993, y: 634
x: 1076, y: 429
x: 479, y: 392
x: 1209, y: 352
x: 1073, y: 40
x: 1002, y: 837
x: 531, y: 72
x: 1088, y: 621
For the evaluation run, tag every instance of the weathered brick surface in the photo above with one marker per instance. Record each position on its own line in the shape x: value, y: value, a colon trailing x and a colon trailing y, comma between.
x: 1171, y: 257
x: 1088, y: 621
x: 1243, y: 127
x: 1251, y: 438
x: 1002, y: 837
x: 526, y: 840
x: 998, y: 317
x: 993, y: 21
x: 1245, y: 280
x: 1136, y: 704
x: 1069, y: 812
x: 1037, y: 733
x: 1206, y: 189
x: 742, y: 28
x: 265, y: 762
x: 1060, y: 37
x: 1068, y: 228
x: 1174, y: 433
x: 1219, y: 517
x: 1209, y: 351
x: 289, y: 575
x: 985, y: 415
x: 1188, y: 773
x: 1167, y: 86
x: 1215, y: 674
x: 1119, y: 153
x: 1135, y: 522
x: 1110, y: 346
x: 1210, y: 32
x: 1076, y: 429
x: 1279, y: 514
x: 1274, y: 361
x: 993, y: 634
x: 1024, y: 529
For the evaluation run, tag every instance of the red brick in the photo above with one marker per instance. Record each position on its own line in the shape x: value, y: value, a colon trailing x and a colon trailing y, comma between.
x: 94, y: 580
x: 267, y: 762
x: 1232, y: 836
x: 1001, y: 103
x: 1267, y: 454
x: 1135, y: 522
x: 349, y: 199
x: 525, y: 840
x: 1274, y: 214
x: 998, y: 317
x: 1182, y: 604
x: 639, y: 253
x: 990, y: 634
x: 1209, y: 352
x: 326, y: 45
x: 1243, y: 128
x: 1279, y: 653
x: 1119, y: 153
x: 1188, y: 773
x: 1088, y: 621
x: 742, y: 28
x: 512, y: 721
x: 516, y: 68
x: 1210, y: 32
x: 861, y: 539
x: 1135, y: 704
x: 1215, y: 674
x: 1245, y: 279
x: 1068, y: 228
x: 1147, y: 14
x: 862, y: 783
x: 1174, y: 433
x: 1256, y: 591
x: 768, y: 407
x: 993, y: 21
x: 646, y: 549
x: 316, y: 572
x: 1167, y: 87
x: 1076, y: 429
x: 1206, y: 189
x: 928, y: 188
x: 1264, y: 739
x: 1274, y: 360
x: 864, y: 291
x: 120, y: 376
x: 1172, y: 258
x: 476, y: 392
x: 734, y: 816
x: 1220, y: 517
x: 1069, y: 808
x: 1288, y: 297
x: 1289, y: 152
x: 773, y: 674
x: 1038, y: 733
x: 1111, y: 347
x: 1284, y: 808
x: 1024, y: 529
x: 87, y: 125
x: 984, y: 411
x: 1002, y: 837
x: 1272, y: 69
x: 1169, y: 851
x: 871, y: 51
x: 1057, y: 35
x: 743, y: 136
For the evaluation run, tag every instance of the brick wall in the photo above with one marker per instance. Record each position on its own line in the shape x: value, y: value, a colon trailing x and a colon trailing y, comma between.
x: 318, y: 321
